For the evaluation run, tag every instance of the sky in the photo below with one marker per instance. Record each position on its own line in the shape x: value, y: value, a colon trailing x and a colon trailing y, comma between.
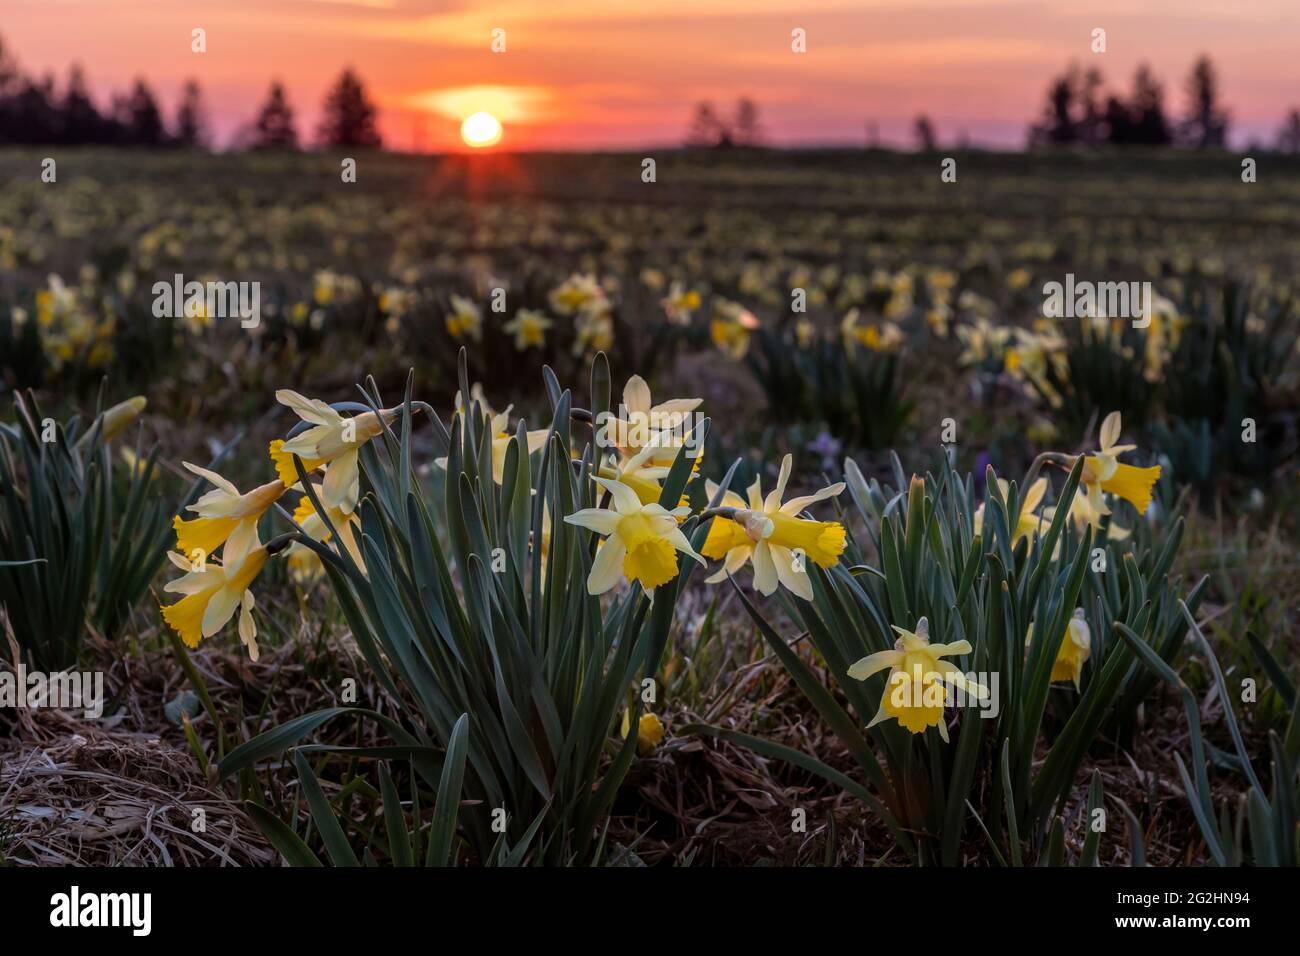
x: 613, y: 74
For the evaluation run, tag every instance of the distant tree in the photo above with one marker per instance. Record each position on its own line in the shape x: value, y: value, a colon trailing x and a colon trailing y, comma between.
x: 1119, y: 124
x: 191, y: 125
x: 140, y: 118
x: 1058, y: 126
x: 746, y: 129
x: 1147, y: 110
x: 349, y: 116
x: 274, y: 125
x: 81, y: 121
x: 1092, y: 120
x: 706, y: 128
x: 1206, y: 125
x: 32, y: 114
x: 923, y: 132
x: 1288, y: 136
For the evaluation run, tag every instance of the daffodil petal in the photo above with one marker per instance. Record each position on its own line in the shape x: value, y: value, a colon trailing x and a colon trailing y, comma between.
x: 875, y: 663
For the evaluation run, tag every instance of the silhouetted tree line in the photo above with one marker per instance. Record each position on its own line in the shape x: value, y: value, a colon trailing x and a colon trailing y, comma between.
x: 710, y: 129
x: 36, y: 112
x: 1079, y: 110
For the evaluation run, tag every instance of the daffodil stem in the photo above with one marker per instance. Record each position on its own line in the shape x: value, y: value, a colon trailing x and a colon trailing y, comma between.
x: 1048, y: 458
x: 280, y: 542
x: 728, y: 513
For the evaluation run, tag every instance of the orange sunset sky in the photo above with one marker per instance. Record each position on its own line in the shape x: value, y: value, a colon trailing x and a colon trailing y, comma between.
x: 608, y: 73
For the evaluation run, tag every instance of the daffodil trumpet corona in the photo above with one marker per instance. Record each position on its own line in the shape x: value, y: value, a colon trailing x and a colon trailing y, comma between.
x: 326, y: 437
x: 916, y: 690
x: 772, y: 535
x: 641, y: 541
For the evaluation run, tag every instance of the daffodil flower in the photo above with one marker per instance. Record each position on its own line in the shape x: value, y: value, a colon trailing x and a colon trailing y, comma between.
x: 501, y: 435
x: 878, y: 338
x: 1076, y: 648
x: 1103, y: 472
x: 773, y: 536
x: 593, y: 328
x: 1082, y: 514
x: 981, y: 341
x: 334, y: 440
x: 915, y: 693
x: 1027, y: 522
x: 225, y: 517
x: 304, y: 563
x: 637, y: 474
x: 212, y: 595
x: 641, y: 541
x: 680, y: 303
x: 731, y: 328
x: 529, y: 329
x: 649, y: 732
x: 643, y: 424
x: 575, y: 293
x: 465, y: 319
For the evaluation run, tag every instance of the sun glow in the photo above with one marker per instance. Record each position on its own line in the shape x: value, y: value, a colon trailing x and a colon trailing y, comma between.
x: 481, y: 129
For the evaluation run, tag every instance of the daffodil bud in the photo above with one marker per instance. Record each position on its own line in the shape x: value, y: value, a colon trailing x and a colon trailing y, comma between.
x: 118, y: 418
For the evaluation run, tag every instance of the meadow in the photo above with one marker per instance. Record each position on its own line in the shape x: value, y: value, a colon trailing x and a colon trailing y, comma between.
x: 548, y: 515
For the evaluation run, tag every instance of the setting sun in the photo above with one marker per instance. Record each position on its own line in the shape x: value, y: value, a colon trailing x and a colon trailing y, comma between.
x: 481, y: 129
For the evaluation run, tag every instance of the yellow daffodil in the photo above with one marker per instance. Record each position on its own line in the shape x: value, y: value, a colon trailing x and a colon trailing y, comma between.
x: 212, y: 595
x: 1076, y: 648
x: 885, y: 337
x: 465, y: 319
x: 593, y: 328
x: 304, y: 564
x: 1027, y: 522
x: 938, y: 317
x: 680, y: 303
x: 916, y: 690
x: 501, y: 434
x: 981, y: 341
x: 1082, y: 514
x: 731, y: 328
x: 225, y: 517
x: 576, y: 293
x: 640, y: 423
x: 774, y: 537
x: 641, y: 541
x: 529, y: 329
x: 396, y: 301
x: 324, y: 287
x: 644, y: 479
x: 134, y: 463
x: 333, y: 440
x: 1103, y: 472
x: 1030, y: 359
x: 649, y: 732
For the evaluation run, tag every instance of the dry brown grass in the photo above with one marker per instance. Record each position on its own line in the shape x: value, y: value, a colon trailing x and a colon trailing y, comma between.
x: 76, y: 792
